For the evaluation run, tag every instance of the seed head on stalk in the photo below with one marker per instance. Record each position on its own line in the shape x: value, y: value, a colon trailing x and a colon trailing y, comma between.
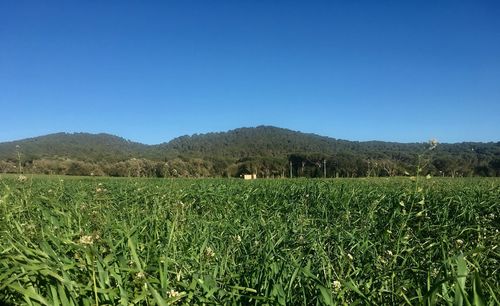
x: 433, y: 144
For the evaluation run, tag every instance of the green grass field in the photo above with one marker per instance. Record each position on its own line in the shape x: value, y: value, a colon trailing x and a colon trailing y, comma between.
x: 89, y: 241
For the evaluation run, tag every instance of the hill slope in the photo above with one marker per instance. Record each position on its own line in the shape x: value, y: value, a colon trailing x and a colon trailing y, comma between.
x: 79, y: 146
x: 271, y: 141
x: 244, y: 142
x: 267, y: 150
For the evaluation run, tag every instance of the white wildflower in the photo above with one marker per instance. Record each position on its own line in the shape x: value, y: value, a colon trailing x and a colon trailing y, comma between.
x: 172, y: 293
x: 88, y: 239
x: 434, y: 272
x: 140, y: 275
x: 382, y: 260
x: 336, y: 285
x: 209, y: 252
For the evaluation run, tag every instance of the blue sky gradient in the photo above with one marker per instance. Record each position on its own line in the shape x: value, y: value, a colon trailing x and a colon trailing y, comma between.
x: 150, y: 71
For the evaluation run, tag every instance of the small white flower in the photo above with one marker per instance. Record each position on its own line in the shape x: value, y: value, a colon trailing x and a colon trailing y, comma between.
x: 350, y: 256
x: 140, y: 275
x: 209, y: 252
x: 382, y: 260
x: 336, y: 285
x: 88, y: 240
x: 172, y: 293
x: 434, y: 272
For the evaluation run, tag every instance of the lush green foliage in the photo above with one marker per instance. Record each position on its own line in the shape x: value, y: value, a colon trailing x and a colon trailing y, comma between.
x: 264, y: 150
x: 160, y: 241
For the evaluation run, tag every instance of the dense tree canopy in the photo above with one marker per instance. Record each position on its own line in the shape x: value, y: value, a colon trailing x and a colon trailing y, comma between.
x: 265, y: 150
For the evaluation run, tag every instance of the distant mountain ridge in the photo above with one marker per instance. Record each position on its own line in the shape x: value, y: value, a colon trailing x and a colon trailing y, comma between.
x: 261, y: 145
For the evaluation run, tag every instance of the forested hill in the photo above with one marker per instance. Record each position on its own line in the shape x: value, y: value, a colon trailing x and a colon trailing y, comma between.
x: 268, y: 151
x: 265, y: 141
x: 269, y: 141
x: 78, y: 146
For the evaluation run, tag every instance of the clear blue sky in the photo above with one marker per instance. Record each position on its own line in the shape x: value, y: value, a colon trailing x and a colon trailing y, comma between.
x: 150, y: 71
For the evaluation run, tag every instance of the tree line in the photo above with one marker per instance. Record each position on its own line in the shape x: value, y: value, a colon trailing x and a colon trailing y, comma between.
x: 294, y: 165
